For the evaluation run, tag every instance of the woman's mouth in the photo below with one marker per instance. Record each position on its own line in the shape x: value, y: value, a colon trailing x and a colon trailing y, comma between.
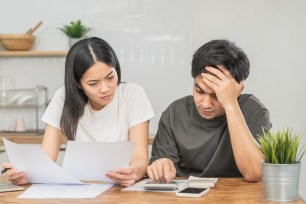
x: 106, y: 97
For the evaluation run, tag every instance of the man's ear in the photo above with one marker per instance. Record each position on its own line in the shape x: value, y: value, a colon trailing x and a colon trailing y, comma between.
x: 241, y: 85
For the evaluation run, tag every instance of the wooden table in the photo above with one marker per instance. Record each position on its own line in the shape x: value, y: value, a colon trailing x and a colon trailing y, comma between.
x: 227, y: 190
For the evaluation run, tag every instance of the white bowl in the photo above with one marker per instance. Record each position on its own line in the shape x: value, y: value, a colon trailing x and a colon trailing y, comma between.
x: 24, y: 99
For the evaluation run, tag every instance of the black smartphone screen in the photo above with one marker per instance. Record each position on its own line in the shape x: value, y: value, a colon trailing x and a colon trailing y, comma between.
x: 193, y: 190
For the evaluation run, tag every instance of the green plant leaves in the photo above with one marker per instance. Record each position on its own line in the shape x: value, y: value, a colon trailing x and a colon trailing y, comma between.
x: 75, y: 29
x: 281, y: 147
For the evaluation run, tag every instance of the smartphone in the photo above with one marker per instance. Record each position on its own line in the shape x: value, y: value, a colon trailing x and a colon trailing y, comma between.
x: 192, y: 192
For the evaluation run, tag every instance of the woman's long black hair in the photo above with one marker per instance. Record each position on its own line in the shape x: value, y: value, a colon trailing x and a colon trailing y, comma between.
x: 82, y: 55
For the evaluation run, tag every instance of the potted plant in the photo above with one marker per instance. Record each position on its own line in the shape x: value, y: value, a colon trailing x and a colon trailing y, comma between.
x: 281, y: 165
x: 75, y: 31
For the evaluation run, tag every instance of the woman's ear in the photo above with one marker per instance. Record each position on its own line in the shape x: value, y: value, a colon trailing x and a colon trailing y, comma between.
x: 78, y: 85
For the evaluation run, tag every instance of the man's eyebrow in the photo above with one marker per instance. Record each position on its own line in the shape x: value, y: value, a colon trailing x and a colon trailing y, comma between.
x: 202, y: 90
x: 197, y: 86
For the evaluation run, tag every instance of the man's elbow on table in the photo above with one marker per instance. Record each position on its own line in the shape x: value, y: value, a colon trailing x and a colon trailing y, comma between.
x: 253, y: 176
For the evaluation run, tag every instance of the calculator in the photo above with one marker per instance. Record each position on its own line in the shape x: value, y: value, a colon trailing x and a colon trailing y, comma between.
x: 159, y: 185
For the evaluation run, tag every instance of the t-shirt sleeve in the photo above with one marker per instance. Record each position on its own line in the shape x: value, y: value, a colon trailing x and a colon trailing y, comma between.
x: 257, y: 116
x: 53, y: 113
x: 164, y: 144
x: 139, y: 108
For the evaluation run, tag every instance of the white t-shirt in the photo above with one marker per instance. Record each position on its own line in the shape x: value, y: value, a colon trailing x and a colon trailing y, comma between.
x: 129, y: 107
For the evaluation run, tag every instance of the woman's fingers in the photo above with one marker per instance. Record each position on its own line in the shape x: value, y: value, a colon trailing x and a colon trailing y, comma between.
x: 123, y: 176
x: 123, y: 180
x: 129, y: 170
x: 18, y: 181
x: 7, y: 165
x: 16, y: 177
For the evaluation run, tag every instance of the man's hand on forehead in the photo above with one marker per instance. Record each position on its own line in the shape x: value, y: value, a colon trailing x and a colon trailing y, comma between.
x: 224, y: 85
x: 218, y: 71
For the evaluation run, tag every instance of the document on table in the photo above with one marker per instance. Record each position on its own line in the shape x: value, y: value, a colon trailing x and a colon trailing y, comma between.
x: 64, y: 191
x: 38, y: 166
x: 97, y: 157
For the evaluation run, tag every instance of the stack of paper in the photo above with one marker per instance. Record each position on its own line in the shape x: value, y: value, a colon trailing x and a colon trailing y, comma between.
x: 197, y: 182
x: 83, y: 161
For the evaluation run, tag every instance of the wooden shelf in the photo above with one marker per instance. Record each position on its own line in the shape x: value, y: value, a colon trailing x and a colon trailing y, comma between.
x: 37, y: 139
x: 25, y: 138
x: 55, y: 53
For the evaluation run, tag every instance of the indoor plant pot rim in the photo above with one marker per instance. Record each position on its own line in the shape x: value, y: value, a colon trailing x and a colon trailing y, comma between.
x: 271, y: 164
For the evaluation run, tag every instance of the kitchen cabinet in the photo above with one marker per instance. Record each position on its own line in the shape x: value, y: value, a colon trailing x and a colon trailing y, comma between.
x: 6, y: 54
x: 22, y: 110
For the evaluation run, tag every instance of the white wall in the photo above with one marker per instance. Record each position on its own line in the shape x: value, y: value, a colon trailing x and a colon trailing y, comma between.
x: 273, y: 34
x: 165, y: 34
x: 152, y: 39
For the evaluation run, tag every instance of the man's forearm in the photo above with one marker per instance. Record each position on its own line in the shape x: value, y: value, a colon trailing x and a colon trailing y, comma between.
x: 247, y: 155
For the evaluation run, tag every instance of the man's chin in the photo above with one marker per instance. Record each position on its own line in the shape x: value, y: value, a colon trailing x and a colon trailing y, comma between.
x: 207, y: 116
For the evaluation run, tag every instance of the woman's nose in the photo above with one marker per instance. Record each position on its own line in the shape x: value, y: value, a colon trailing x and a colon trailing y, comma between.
x: 103, y: 88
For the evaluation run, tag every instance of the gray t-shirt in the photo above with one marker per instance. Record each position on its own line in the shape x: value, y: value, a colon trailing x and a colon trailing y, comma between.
x: 202, y: 147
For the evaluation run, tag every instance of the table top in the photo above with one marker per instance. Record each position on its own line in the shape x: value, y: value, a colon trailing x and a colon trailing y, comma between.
x: 227, y: 190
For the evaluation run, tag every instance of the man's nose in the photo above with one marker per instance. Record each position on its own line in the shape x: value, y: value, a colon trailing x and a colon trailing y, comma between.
x: 207, y: 101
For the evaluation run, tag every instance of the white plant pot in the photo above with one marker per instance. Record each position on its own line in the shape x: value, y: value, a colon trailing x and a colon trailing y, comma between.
x: 281, y: 181
x: 72, y: 41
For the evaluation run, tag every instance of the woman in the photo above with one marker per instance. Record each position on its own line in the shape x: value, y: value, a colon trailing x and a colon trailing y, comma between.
x: 95, y: 106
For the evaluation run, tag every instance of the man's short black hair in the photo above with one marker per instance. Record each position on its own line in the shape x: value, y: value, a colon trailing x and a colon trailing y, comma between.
x: 221, y: 52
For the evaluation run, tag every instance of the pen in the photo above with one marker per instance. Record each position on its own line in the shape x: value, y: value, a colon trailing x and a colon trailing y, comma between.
x: 5, y: 170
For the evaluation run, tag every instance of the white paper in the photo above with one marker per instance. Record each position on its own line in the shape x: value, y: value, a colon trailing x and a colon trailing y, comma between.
x: 64, y: 191
x: 38, y: 166
x: 193, y: 178
x: 200, y: 182
x: 91, y: 161
x: 139, y: 186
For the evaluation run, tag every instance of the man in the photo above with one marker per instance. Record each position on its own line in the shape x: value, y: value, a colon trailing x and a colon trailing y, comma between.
x: 211, y: 134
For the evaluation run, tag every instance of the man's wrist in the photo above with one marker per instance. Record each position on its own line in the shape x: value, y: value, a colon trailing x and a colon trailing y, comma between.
x: 231, y: 107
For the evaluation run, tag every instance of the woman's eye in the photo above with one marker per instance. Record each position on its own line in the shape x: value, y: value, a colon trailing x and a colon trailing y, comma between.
x: 110, y: 78
x: 92, y: 84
